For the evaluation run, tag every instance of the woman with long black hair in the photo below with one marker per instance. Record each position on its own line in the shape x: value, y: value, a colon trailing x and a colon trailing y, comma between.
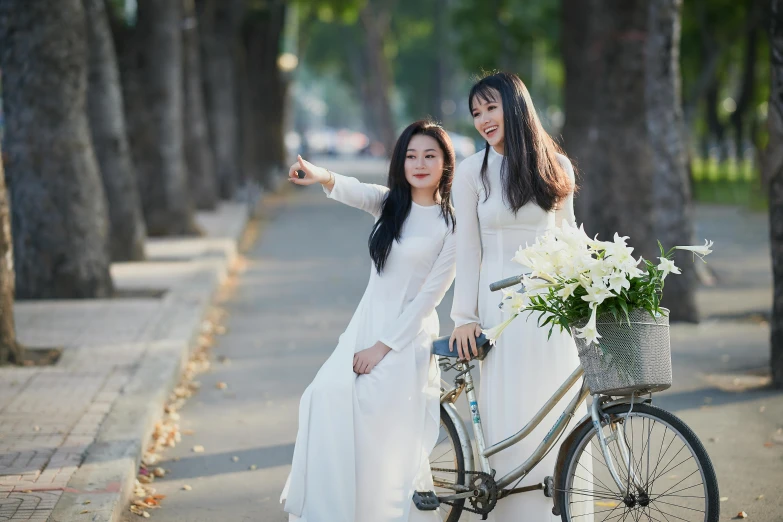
x: 505, y: 197
x: 369, y: 419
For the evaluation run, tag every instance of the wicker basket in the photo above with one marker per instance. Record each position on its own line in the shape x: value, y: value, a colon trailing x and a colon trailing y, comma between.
x: 635, y: 359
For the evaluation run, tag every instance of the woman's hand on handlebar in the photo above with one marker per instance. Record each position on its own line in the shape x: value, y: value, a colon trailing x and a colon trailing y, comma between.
x: 463, y: 338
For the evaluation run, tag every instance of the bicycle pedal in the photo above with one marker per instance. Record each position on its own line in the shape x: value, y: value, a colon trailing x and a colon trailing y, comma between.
x: 425, y: 500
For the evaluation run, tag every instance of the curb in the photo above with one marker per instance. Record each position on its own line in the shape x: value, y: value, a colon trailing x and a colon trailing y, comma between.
x: 101, y: 488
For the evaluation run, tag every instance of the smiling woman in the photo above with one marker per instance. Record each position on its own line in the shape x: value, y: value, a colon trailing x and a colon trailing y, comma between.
x: 370, y: 417
x: 508, y: 195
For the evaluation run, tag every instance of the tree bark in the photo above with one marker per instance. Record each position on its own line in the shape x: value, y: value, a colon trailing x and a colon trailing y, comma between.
x: 219, y: 34
x: 199, y: 156
x: 625, y: 128
x: 673, y: 212
x: 375, y: 22
x: 268, y: 87
x: 579, y: 58
x: 10, y: 351
x: 773, y: 172
x: 105, y: 109
x: 150, y: 58
x: 59, y: 218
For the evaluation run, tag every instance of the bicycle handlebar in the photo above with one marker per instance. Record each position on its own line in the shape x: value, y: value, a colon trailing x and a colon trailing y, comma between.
x: 505, y: 283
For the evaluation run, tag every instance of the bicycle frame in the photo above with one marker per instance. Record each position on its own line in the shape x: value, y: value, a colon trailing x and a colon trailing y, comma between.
x: 546, y: 444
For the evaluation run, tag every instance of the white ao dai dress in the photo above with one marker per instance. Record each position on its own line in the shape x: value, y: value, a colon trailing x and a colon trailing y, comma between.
x: 523, y: 369
x: 363, y: 442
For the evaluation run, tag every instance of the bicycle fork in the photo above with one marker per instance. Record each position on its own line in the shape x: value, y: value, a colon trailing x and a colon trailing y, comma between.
x: 617, y: 436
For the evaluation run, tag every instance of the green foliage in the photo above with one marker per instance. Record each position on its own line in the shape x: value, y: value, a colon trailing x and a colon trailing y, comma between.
x: 328, y: 11
x: 502, y: 33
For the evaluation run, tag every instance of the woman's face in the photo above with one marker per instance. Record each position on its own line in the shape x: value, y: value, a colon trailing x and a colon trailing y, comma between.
x: 488, y: 118
x: 424, y: 162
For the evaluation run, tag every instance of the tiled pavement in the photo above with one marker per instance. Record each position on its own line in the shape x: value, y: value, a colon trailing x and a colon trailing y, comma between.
x: 50, y: 416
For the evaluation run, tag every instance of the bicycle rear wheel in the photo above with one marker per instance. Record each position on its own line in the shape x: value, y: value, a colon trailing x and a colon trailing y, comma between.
x: 447, y: 454
x: 668, y: 476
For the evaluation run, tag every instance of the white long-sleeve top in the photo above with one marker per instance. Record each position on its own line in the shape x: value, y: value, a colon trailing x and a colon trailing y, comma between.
x: 418, y: 271
x: 489, y: 234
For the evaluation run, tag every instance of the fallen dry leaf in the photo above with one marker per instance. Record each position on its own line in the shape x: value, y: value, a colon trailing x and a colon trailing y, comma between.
x: 253, y: 466
x: 198, y: 448
x: 145, y: 479
x: 221, y: 386
x: 741, y: 514
x: 186, y: 487
x: 84, y: 512
x: 759, y: 497
x: 235, y: 459
x: 86, y: 502
x: 769, y: 444
x: 187, y: 432
x: 724, y: 499
x: 159, y: 472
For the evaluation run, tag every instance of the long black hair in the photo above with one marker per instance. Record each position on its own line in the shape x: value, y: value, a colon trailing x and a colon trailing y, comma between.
x: 397, y: 205
x: 530, y: 170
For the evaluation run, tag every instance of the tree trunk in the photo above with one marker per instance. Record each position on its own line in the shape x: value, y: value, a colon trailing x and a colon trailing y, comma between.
x: 748, y: 87
x: 375, y: 22
x: 59, y: 217
x: 579, y: 58
x: 625, y: 129
x: 105, y: 109
x: 673, y: 212
x: 267, y: 86
x: 10, y: 350
x: 199, y: 156
x: 773, y: 172
x: 150, y: 57
x: 219, y: 25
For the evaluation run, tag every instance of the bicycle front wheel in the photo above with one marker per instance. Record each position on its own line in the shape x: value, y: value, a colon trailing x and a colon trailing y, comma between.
x: 664, y: 470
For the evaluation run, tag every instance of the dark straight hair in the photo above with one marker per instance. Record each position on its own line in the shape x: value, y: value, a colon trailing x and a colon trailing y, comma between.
x: 398, y: 202
x: 530, y: 170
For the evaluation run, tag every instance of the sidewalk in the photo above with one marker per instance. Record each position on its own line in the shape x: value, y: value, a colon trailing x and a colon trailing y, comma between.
x: 721, y: 366
x: 71, y: 434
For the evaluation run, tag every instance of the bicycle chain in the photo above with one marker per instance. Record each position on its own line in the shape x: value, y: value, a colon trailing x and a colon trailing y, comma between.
x: 493, y: 487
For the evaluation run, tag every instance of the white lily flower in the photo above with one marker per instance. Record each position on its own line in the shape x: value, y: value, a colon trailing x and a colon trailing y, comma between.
x: 596, y: 294
x: 667, y: 266
x: 514, y: 301
x: 533, y: 284
x: 493, y: 333
x: 568, y: 289
x: 698, y: 250
x: 618, y: 281
x: 589, y: 333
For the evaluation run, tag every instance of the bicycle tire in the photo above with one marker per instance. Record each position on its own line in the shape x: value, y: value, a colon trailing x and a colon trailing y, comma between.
x: 586, y: 431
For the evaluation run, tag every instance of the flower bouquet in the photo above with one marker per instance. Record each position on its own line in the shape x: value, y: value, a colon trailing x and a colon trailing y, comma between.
x: 607, y: 299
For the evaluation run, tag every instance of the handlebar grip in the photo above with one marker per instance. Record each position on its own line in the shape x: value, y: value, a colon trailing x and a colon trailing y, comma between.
x: 505, y: 283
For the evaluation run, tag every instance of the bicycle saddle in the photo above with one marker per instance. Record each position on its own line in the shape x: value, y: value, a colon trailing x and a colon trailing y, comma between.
x: 440, y: 347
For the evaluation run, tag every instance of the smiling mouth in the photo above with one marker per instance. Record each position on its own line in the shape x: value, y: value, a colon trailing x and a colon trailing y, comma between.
x: 420, y: 175
x: 490, y: 131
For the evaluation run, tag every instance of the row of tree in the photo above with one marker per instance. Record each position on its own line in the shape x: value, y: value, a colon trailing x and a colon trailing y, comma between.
x: 633, y: 116
x: 119, y: 124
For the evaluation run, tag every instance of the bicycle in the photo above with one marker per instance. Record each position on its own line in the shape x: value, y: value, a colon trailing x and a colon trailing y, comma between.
x: 624, y: 449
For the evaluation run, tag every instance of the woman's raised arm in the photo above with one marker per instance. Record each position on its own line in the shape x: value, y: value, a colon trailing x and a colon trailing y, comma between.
x: 347, y: 190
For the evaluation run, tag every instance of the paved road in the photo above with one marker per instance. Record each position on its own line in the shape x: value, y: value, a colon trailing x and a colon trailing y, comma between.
x: 304, y: 277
